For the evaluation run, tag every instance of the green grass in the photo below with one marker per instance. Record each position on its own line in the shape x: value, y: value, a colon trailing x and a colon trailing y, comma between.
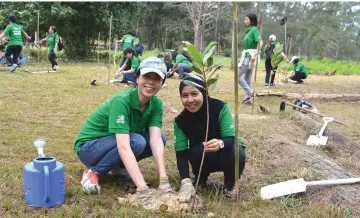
x: 55, y: 105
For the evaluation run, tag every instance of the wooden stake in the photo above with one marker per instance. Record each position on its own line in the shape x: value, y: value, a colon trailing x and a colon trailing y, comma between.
x: 256, y: 60
x: 109, y: 48
x: 98, y: 47
x: 38, y: 35
x: 236, y: 106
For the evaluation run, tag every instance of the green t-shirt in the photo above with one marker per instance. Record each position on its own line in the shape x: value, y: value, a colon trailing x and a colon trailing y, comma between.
x: 181, y: 142
x: 15, y: 34
x: 134, y: 63
x: 137, y: 41
x: 181, y: 59
x: 300, y: 67
x: 251, y: 39
x: 52, y: 40
x: 128, y: 41
x: 120, y: 114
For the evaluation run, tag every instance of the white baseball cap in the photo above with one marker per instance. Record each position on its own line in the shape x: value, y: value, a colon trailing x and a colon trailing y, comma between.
x: 272, y: 37
x: 153, y: 65
x: 293, y: 58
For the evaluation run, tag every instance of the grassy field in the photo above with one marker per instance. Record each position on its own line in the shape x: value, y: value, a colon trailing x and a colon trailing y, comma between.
x: 55, y: 105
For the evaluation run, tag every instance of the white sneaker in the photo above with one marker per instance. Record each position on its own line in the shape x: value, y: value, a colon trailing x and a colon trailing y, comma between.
x: 13, y: 68
x: 90, y: 182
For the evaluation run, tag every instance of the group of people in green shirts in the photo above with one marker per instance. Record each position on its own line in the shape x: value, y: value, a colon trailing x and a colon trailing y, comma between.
x: 127, y: 128
x: 132, y: 48
x: 250, y: 53
x: 15, y: 36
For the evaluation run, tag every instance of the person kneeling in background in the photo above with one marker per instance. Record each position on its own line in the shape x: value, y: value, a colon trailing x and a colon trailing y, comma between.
x: 299, y: 72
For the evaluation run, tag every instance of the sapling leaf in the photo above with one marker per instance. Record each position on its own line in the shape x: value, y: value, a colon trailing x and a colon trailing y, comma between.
x: 210, y: 61
x: 211, y: 83
x: 210, y: 46
x: 197, y: 70
x: 209, y: 54
x: 194, y: 54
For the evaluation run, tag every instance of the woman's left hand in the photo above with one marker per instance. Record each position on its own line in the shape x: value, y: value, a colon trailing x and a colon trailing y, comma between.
x: 212, y: 145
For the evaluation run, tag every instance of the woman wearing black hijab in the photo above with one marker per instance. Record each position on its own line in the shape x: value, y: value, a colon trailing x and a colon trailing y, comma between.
x: 189, y: 134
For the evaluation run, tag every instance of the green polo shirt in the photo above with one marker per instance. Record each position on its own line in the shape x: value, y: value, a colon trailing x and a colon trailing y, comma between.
x: 15, y: 34
x: 251, y: 39
x: 137, y: 41
x: 181, y: 59
x: 300, y: 67
x: 52, y: 40
x: 181, y: 142
x: 128, y: 41
x: 134, y: 63
x: 120, y: 114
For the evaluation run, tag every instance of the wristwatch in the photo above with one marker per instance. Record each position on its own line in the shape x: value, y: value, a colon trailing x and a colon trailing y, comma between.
x: 221, y: 144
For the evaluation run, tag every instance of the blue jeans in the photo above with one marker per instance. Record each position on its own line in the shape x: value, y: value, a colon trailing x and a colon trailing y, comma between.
x: 246, y: 81
x: 130, y: 77
x: 102, y: 155
x: 183, y: 68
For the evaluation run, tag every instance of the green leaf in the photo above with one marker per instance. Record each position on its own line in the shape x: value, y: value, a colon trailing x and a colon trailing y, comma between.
x: 197, y: 70
x: 211, y: 83
x: 276, y: 56
x: 210, y: 61
x: 194, y: 54
x: 216, y: 69
x: 209, y: 51
x: 210, y: 46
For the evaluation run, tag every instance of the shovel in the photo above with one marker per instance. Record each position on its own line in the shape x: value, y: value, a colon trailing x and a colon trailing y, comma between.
x: 299, y: 186
x: 319, y: 139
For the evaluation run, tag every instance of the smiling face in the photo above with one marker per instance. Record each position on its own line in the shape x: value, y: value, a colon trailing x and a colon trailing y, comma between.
x: 247, y: 22
x: 191, y: 98
x: 149, y: 84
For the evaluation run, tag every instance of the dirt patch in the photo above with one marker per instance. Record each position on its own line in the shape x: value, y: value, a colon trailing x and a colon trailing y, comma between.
x: 162, y: 202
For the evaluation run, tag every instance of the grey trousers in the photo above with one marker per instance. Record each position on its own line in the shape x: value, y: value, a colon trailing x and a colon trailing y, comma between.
x: 245, y: 82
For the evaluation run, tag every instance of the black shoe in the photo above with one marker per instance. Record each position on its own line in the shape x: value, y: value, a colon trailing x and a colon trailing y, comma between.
x: 93, y: 83
x: 230, y: 192
x: 299, y: 82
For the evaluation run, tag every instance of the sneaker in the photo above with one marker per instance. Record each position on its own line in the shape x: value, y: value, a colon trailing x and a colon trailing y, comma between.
x: 90, y: 182
x: 299, y: 82
x: 272, y: 84
x: 13, y: 68
x: 248, y: 97
x: 229, y: 191
x: 266, y: 85
x: 249, y: 101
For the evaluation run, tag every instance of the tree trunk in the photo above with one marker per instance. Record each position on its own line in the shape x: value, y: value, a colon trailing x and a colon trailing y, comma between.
x: 198, y: 24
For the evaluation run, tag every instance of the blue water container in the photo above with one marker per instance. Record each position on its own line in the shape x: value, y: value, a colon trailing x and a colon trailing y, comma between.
x: 44, y: 182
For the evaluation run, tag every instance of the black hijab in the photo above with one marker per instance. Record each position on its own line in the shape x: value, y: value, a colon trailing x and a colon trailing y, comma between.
x: 193, y: 125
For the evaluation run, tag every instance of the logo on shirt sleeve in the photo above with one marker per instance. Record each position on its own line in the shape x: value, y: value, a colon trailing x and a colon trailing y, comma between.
x: 120, y: 119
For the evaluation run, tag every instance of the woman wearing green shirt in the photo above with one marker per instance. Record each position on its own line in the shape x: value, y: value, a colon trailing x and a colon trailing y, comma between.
x: 182, y: 64
x: 300, y: 71
x: 247, y: 61
x: 189, y: 136
x: 15, y: 34
x: 52, y: 40
x: 124, y: 130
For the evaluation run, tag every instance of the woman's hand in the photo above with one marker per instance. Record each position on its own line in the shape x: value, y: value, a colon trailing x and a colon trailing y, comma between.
x: 212, y: 145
